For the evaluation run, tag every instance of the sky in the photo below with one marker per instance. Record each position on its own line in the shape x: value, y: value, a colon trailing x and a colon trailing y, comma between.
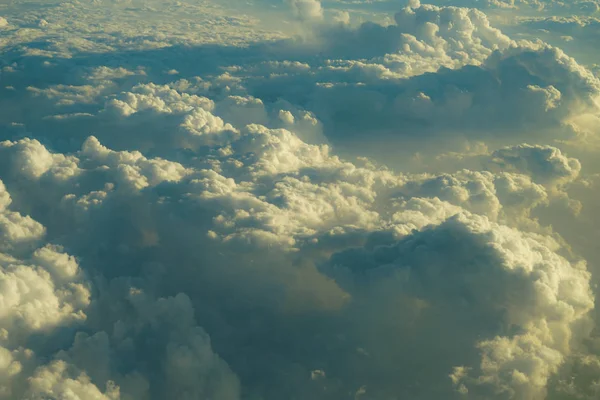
x: 299, y: 199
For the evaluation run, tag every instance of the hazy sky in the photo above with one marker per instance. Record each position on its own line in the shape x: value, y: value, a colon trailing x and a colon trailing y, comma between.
x: 299, y: 200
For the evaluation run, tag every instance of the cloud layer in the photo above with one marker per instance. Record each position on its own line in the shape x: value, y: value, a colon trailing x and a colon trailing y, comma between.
x: 207, y: 208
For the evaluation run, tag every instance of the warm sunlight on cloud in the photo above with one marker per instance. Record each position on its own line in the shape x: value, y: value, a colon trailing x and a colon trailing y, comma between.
x: 299, y: 199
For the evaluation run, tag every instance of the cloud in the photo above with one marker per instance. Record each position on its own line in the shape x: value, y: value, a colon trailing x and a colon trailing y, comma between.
x: 41, y: 293
x: 319, y: 204
x: 184, y: 364
x: 544, y: 164
x: 17, y: 231
x: 444, y: 36
x: 582, y: 6
x: 454, y: 275
x: 306, y: 10
x: 183, y: 215
x: 55, y: 380
x: 33, y: 160
x: 142, y: 28
x: 436, y: 72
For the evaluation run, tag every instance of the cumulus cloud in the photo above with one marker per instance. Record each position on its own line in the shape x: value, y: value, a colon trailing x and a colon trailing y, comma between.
x: 55, y: 380
x: 444, y: 36
x: 319, y: 203
x: 208, y: 209
x: 519, y: 344
x: 545, y: 164
x: 43, y: 291
x: 306, y: 10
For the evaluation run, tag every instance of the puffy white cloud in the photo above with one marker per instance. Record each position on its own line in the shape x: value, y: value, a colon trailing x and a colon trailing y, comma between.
x: 502, y: 196
x: 160, y: 99
x: 41, y: 293
x: 18, y: 232
x: 306, y: 10
x: 422, y: 39
x: 55, y: 380
x: 104, y: 73
x: 212, y: 236
x: 29, y: 158
x: 132, y: 169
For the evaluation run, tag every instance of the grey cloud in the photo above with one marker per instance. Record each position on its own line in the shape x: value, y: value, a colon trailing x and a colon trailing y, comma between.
x: 544, y: 164
x: 478, y: 318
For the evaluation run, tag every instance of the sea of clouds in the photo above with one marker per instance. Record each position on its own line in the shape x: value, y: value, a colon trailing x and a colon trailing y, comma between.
x: 299, y: 200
